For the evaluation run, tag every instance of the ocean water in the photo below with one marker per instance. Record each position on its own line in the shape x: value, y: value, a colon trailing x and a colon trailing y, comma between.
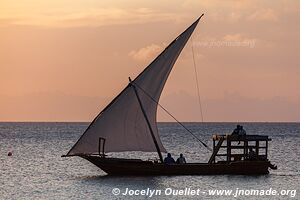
x: 37, y: 171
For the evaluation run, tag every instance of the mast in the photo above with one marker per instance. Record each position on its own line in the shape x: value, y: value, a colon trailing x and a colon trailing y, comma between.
x: 147, y: 120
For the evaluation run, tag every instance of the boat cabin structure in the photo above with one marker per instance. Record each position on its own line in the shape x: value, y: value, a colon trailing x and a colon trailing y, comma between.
x: 239, y: 147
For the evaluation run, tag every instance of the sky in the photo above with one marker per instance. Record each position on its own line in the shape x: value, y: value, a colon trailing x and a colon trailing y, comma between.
x: 64, y: 60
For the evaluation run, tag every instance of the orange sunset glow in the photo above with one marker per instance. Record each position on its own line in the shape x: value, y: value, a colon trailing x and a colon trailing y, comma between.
x: 65, y: 60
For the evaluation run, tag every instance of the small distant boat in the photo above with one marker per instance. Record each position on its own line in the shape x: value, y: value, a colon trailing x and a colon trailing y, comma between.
x: 128, y: 123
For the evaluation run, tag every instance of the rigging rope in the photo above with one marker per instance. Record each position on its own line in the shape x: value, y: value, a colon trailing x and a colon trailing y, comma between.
x: 172, y: 116
x: 197, y: 82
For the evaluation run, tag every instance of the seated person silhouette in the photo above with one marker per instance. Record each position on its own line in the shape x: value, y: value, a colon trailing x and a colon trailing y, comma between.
x: 169, y: 159
x: 181, y: 159
x: 242, y: 131
x: 236, y: 131
x: 252, y: 154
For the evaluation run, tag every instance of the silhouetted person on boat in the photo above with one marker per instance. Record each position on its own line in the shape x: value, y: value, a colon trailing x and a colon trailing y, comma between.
x: 181, y: 159
x: 236, y: 131
x: 242, y: 131
x: 252, y: 154
x: 169, y: 159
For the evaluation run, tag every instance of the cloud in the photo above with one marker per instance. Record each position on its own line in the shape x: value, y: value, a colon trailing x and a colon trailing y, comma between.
x: 265, y: 14
x: 146, y: 53
x: 90, y: 17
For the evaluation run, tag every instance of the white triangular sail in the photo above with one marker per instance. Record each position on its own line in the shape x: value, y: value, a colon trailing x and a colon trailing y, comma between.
x: 122, y: 122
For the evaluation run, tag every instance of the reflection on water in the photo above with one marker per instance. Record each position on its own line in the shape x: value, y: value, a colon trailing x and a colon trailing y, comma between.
x: 36, y: 170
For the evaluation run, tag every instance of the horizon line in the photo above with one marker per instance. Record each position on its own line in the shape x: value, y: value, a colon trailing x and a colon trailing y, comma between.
x: 238, y: 122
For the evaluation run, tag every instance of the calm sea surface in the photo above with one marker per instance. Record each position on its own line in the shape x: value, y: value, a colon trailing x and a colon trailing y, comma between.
x: 37, y: 171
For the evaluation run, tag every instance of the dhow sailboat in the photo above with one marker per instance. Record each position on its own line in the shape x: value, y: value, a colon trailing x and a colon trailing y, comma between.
x: 128, y: 123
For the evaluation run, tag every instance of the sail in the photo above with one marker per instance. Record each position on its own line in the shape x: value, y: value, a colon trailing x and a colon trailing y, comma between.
x: 122, y: 123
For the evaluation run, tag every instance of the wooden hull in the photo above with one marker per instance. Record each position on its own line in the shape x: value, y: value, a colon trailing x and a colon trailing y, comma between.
x: 117, y: 166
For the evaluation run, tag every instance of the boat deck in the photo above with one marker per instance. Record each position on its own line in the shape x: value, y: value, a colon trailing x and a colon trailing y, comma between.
x: 120, y: 166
